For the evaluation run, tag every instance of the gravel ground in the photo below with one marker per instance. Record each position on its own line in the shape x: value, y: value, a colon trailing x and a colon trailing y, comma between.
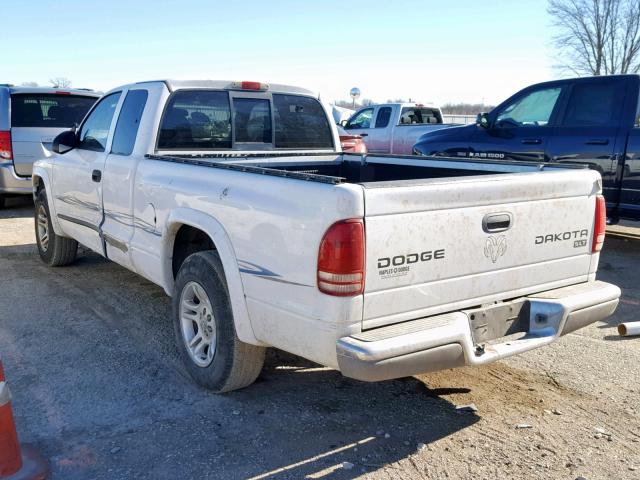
x: 98, y: 389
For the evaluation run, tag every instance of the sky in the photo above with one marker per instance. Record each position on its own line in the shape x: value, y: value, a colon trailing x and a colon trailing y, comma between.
x: 429, y: 51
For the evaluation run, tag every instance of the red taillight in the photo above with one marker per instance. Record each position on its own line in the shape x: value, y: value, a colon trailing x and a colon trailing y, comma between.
x: 249, y: 86
x: 6, y: 153
x: 600, y: 224
x: 341, y: 259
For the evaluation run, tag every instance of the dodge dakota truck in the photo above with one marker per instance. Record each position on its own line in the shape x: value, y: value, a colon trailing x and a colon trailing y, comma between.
x: 589, y: 120
x: 394, y: 127
x: 235, y: 198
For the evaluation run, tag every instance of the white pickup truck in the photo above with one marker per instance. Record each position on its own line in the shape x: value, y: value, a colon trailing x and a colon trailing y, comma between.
x: 394, y: 127
x: 235, y: 199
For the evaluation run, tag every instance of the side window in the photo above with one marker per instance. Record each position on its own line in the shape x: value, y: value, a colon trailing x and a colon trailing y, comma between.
x: 124, y: 137
x: 361, y: 120
x: 196, y: 120
x: 592, y: 104
x: 383, y: 117
x: 95, y: 130
x: 532, y: 110
x: 252, y: 120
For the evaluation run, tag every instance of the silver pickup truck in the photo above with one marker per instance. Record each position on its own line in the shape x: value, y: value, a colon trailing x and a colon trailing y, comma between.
x: 394, y: 127
x: 235, y: 198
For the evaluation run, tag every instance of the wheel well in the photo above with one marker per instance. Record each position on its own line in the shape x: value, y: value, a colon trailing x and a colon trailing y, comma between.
x: 38, y: 184
x: 189, y: 240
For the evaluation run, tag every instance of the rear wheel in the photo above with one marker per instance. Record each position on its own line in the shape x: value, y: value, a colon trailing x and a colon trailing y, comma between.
x: 54, y: 250
x: 1, y: 202
x: 205, y: 330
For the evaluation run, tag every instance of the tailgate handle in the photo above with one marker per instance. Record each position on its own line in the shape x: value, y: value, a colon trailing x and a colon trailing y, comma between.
x: 497, y: 222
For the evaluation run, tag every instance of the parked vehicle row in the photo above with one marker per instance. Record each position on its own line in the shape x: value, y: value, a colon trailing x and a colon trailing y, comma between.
x: 593, y: 121
x: 29, y: 120
x: 236, y: 198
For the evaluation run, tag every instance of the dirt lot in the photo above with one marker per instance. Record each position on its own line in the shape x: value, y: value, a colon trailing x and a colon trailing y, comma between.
x: 98, y: 389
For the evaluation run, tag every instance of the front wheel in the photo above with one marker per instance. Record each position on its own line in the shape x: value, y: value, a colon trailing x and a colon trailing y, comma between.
x: 54, y: 250
x: 205, y: 330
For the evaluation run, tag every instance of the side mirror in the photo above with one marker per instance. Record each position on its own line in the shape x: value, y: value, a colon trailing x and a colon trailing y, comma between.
x: 343, y: 123
x: 482, y: 120
x: 67, y: 140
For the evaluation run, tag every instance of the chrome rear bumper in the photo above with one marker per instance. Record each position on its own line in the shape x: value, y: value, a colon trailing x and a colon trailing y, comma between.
x: 447, y: 341
x: 10, y: 183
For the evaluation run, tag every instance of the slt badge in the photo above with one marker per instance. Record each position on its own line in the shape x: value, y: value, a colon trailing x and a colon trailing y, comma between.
x: 495, y: 247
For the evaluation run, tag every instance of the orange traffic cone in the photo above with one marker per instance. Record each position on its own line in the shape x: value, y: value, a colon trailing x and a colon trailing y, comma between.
x: 15, y: 463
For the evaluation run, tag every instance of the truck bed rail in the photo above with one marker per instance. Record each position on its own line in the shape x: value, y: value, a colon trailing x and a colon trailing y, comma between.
x: 297, y: 175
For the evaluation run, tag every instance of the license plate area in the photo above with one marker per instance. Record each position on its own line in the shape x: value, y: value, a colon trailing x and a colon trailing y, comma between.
x: 500, y: 320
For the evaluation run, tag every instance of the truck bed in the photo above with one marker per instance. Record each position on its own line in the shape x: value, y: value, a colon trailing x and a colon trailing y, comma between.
x: 367, y: 170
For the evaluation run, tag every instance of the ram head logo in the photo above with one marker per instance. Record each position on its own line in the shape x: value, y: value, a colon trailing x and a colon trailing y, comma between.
x: 495, y: 247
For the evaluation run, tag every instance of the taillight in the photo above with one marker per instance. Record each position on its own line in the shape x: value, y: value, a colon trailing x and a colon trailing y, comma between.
x: 341, y: 259
x: 244, y: 85
x: 6, y: 153
x: 600, y: 224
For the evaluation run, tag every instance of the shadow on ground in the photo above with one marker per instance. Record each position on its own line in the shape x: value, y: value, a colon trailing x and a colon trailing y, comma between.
x: 99, y: 389
x: 17, y: 207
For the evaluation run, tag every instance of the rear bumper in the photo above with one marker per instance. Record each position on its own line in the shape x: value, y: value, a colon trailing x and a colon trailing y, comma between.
x: 446, y: 341
x: 10, y: 183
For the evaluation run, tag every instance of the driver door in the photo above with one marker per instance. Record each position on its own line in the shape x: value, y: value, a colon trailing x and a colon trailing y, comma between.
x: 360, y: 124
x: 519, y: 130
x: 77, y: 176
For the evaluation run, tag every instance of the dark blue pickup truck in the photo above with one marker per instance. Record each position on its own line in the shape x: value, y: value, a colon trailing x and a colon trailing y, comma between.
x: 593, y: 121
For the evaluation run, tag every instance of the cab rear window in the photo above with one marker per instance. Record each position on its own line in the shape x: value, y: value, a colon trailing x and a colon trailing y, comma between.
x: 300, y: 122
x: 49, y: 110
x: 196, y: 120
x: 210, y: 120
x: 419, y: 115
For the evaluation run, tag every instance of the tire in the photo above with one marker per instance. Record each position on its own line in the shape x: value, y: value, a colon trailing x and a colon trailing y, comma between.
x: 54, y: 250
x: 218, y: 360
x: 1, y: 202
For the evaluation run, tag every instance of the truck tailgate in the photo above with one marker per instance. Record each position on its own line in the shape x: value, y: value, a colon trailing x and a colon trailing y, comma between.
x: 440, y: 245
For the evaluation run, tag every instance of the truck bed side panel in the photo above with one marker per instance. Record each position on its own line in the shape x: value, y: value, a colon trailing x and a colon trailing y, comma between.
x: 275, y: 226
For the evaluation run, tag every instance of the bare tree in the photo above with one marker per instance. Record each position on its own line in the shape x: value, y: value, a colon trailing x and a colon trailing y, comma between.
x: 465, y: 108
x: 597, y: 37
x: 29, y: 84
x: 60, y: 82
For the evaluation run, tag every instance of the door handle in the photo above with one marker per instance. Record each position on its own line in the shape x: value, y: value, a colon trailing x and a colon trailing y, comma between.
x: 531, y: 141
x: 597, y: 141
x: 96, y: 176
x: 363, y: 134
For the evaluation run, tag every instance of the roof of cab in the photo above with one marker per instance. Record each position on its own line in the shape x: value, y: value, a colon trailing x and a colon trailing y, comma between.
x: 52, y: 90
x: 226, y: 84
